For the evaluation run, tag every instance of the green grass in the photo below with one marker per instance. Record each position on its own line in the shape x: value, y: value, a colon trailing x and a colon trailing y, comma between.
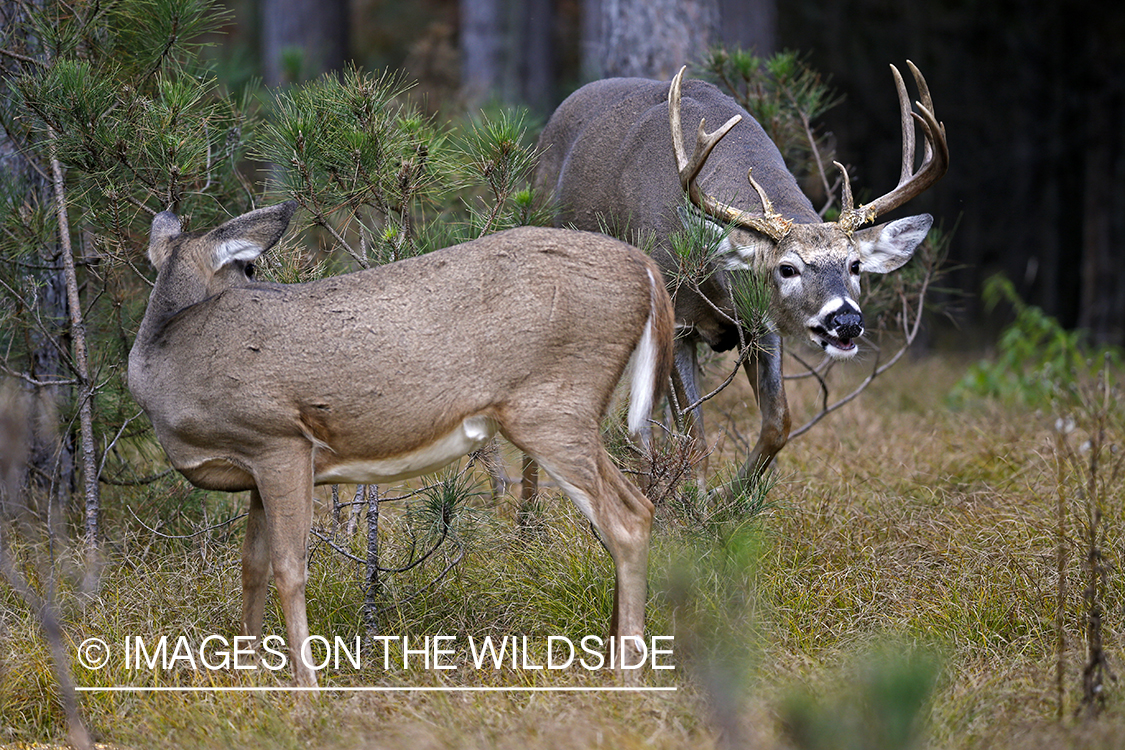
x: 907, y: 555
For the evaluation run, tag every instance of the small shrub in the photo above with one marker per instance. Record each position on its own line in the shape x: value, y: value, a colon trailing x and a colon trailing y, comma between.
x: 1037, y: 360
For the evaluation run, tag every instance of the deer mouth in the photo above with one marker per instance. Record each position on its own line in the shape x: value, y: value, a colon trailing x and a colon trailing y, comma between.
x: 833, y: 346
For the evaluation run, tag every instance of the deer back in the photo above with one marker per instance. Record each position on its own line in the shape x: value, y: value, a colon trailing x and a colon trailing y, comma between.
x: 372, y: 364
x: 608, y: 153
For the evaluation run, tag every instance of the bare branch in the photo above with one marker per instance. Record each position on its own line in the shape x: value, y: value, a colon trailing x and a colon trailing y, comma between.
x: 32, y: 381
x: 162, y: 535
x: 734, y: 371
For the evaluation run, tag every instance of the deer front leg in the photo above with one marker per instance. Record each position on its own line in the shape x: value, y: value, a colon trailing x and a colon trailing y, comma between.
x: 286, y: 491
x: 685, y: 382
x: 764, y: 373
x: 255, y: 568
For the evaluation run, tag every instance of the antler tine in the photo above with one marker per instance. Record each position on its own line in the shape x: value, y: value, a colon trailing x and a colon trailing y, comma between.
x: 851, y: 218
x: 907, y: 119
x: 704, y: 141
x: 925, y: 103
x: 767, y: 204
x: 772, y: 224
x: 935, y: 157
x: 846, y: 202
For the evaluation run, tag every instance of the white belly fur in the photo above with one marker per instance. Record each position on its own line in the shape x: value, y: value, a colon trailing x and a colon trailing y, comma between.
x: 472, y: 434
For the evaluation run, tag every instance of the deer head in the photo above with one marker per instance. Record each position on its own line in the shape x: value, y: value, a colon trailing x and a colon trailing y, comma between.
x: 814, y: 267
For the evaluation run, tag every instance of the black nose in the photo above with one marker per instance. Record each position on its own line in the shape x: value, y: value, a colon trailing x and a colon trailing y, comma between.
x: 847, y: 323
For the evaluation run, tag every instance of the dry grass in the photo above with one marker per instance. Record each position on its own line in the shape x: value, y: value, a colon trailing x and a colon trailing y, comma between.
x: 895, y: 524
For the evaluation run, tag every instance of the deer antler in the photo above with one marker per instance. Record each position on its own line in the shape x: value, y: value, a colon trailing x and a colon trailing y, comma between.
x: 771, y: 223
x: 935, y: 157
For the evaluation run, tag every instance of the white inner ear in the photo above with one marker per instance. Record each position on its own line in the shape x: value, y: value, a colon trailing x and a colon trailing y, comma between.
x: 727, y: 255
x: 886, y: 248
x: 232, y: 250
x: 732, y: 257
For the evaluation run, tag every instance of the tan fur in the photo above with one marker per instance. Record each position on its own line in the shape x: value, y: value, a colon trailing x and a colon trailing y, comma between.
x: 272, y: 387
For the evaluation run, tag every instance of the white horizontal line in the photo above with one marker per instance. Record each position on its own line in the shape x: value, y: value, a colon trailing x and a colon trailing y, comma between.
x: 352, y: 689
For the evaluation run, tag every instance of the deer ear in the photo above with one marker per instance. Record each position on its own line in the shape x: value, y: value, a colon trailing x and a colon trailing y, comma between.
x: 165, y: 227
x: 248, y: 236
x: 887, y: 247
x: 726, y: 253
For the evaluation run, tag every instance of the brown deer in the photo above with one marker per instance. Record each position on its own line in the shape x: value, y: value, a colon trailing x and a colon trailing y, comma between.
x: 393, y: 372
x: 614, y: 157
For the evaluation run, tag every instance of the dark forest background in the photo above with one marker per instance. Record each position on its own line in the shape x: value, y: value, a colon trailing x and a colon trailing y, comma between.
x: 1032, y: 95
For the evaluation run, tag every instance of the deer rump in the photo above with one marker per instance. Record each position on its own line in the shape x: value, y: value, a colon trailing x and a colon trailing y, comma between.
x: 394, y: 371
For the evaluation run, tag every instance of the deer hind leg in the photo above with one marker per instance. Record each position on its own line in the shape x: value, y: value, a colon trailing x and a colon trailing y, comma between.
x: 529, y: 491
x: 255, y: 568
x: 620, y: 514
x: 286, y: 492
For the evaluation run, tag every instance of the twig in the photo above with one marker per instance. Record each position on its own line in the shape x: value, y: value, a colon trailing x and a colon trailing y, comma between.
x: 134, y: 482
x: 32, y: 381
x: 108, y: 448
x: 419, y: 592
x: 22, y: 58
x: 362, y: 561
x: 162, y: 535
x: 321, y: 221
x: 1060, y: 564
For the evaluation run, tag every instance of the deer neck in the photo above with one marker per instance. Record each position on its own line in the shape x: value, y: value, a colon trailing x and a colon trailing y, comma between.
x: 176, y: 290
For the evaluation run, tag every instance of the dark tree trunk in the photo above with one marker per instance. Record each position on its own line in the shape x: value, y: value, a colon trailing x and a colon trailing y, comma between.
x: 302, y: 39
x: 50, y: 469
x: 507, y: 52
x: 482, y: 47
x: 749, y: 24
x: 1102, y: 300
x: 650, y: 38
x: 538, y: 52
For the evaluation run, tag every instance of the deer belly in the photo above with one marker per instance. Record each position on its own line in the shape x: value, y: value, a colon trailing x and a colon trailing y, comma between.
x: 470, y: 435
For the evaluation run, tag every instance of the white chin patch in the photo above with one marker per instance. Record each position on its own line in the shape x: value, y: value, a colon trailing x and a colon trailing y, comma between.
x: 834, y: 347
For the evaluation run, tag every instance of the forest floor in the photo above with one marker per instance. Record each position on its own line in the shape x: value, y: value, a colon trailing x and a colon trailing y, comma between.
x: 899, y: 588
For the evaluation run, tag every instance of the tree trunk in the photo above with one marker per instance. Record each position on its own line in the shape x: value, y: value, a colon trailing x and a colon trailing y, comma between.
x: 50, y: 472
x: 537, y: 48
x: 507, y: 52
x: 86, y: 387
x: 482, y: 44
x: 1102, y: 297
x: 302, y: 39
x: 651, y: 38
x: 749, y: 24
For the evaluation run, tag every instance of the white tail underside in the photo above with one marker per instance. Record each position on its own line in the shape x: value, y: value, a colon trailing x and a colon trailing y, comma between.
x: 643, y: 383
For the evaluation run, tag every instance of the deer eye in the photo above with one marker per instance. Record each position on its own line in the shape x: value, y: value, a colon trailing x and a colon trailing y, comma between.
x: 249, y: 270
x: 787, y: 271
x: 855, y: 267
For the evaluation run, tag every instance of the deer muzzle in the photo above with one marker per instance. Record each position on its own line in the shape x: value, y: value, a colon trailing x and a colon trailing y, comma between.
x: 837, y: 332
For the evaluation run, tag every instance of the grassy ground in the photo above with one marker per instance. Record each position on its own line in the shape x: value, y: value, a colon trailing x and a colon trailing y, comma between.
x: 905, y: 563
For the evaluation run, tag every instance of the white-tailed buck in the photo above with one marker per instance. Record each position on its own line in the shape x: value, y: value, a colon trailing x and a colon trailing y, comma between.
x: 394, y: 372
x: 615, y: 157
